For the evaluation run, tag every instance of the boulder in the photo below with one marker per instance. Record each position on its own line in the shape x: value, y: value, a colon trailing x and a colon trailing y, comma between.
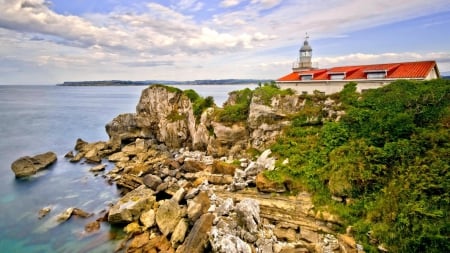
x: 226, y: 207
x: 92, y: 226
x: 227, y: 243
x: 219, y: 179
x: 197, y: 240
x: 193, y: 166
x: 130, y: 207
x: 80, y: 144
x: 98, y: 168
x: 198, y: 206
x: 64, y: 216
x: 151, y: 181
x: 44, y: 211
x: 248, y: 213
x: 148, y: 218
x: 224, y: 168
x: 265, y: 185
x: 285, y: 233
x: 27, y: 166
x: 167, y: 216
x: 179, y: 233
x: 157, y: 244
x: 119, y: 157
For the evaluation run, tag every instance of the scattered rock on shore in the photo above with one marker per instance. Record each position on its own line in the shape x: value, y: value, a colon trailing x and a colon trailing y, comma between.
x: 28, y: 166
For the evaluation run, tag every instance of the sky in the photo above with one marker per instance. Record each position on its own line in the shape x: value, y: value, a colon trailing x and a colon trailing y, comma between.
x: 52, y: 41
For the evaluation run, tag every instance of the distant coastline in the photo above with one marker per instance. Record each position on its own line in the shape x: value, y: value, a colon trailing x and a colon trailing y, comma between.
x: 148, y: 82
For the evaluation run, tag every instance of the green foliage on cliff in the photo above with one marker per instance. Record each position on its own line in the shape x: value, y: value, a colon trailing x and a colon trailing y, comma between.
x: 269, y: 90
x: 388, y: 157
x: 199, y: 104
x: 237, y: 110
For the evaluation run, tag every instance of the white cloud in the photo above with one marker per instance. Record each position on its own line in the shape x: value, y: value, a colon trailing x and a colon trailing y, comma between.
x: 361, y: 58
x: 236, y: 42
x: 230, y: 3
x: 190, y: 5
x: 266, y: 4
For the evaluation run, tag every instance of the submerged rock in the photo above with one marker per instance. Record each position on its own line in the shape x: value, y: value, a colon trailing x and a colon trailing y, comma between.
x: 44, y: 211
x: 27, y: 166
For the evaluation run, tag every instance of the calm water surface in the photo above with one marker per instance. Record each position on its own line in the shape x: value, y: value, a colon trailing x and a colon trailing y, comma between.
x: 37, y: 119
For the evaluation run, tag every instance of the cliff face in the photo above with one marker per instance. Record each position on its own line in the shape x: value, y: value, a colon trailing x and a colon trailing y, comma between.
x: 160, y: 114
x: 167, y: 116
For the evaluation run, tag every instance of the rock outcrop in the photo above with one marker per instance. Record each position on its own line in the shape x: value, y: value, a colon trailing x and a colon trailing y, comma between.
x: 130, y: 207
x: 28, y: 166
x: 213, y: 198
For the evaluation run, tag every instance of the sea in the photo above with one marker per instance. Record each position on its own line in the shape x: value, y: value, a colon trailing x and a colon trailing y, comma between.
x: 36, y: 119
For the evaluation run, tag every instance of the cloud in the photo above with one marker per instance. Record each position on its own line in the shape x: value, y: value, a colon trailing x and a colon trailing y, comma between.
x: 266, y: 4
x: 241, y: 39
x: 230, y: 3
x: 361, y: 58
x: 141, y: 63
x: 190, y: 5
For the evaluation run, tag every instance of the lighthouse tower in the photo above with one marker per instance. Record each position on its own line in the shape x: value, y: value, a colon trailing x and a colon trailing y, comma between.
x: 304, y: 62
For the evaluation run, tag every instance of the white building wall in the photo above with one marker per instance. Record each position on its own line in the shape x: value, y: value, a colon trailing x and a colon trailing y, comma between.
x: 329, y: 87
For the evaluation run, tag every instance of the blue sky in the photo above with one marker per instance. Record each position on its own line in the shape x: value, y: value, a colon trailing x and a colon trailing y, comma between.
x: 49, y: 42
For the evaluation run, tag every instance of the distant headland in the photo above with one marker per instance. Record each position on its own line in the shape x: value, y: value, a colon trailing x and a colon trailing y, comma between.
x: 148, y: 82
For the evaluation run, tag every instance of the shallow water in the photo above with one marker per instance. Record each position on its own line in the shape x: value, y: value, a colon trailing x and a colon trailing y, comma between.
x: 37, y: 119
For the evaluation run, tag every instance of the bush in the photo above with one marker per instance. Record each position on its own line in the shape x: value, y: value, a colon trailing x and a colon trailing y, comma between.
x: 389, y: 154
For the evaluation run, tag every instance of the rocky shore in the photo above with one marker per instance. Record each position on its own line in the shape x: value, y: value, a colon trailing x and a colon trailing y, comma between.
x: 189, y: 186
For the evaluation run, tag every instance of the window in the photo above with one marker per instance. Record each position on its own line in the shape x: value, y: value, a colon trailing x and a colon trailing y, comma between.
x: 376, y: 75
x: 306, y: 77
x: 339, y: 76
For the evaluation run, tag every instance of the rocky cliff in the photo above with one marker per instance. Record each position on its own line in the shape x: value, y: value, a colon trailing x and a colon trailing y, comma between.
x: 211, y: 199
x: 166, y: 114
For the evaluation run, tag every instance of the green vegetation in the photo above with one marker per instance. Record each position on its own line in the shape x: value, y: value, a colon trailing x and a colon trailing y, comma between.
x: 168, y: 88
x: 175, y: 116
x: 238, y: 109
x: 388, y: 158
x: 199, y: 103
x: 267, y: 91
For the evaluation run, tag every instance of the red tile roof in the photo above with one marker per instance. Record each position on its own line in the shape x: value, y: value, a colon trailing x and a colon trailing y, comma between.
x: 393, y: 70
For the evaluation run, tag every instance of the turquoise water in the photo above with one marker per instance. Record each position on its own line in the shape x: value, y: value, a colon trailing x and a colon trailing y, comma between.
x: 37, y: 119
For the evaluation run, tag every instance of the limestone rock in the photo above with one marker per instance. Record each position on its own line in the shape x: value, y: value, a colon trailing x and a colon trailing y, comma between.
x: 218, y: 179
x: 98, y: 168
x: 119, y: 157
x: 27, y: 166
x: 179, y: 195
x: 248, y: 212
x: 92, y: 226
x: 179, y: 233
x: 227, y: 243
x: 198, y: 206
x: 130, y: 207
x: 193, y: 166
x: 44, y: 211
x: 285, y: 233
x: 148, y: 218
x: 197, y: 239
x: 64, y: 216
x: 138, y: 242
x: 132, y: 228
x: 223, y: 168
x: 151, y: 181
x: 265, y: 185
x: 225, y: 207
x: 167, y: 216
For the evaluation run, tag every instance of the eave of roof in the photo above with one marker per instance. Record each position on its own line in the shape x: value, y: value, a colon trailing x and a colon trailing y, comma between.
x: 402, y: 70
